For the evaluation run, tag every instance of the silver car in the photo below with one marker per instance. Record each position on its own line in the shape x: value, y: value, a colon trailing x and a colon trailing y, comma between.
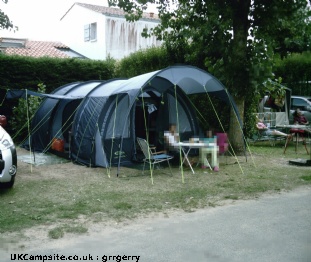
x: 8, y: 160
x: 304, y: 104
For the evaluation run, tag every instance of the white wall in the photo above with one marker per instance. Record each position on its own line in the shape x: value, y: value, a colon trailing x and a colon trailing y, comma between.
x: 124, y: 38
x: 115, y: 36
x: 72, y: 32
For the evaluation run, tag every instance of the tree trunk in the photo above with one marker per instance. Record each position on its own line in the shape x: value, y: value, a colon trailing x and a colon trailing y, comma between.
x: 240, y: 73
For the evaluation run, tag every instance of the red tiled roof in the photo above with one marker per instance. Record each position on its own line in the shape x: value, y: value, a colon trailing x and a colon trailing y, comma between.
x: 38, y: 49
x: 115, y: 11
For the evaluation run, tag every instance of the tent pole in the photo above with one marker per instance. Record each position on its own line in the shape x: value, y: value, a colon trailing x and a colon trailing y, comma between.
x: 119, y: 160
x: 241, y: 129
x: 177, y: 122
x: 229, y: 98
x: 28, y: 126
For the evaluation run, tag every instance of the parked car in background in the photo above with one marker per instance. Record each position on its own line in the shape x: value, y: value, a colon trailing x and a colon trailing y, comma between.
x: 8, y: 160
x: 303, y: 103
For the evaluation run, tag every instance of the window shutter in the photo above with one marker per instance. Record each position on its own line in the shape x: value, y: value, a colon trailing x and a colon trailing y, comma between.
x: 87, y: 33
x: 93, y: 31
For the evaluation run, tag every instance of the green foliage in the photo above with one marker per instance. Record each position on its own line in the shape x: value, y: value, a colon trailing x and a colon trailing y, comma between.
x: 274, y: 88
x: 17, y: 71
x: 285, y: 25
x: 211, y: 113
x: 143, y: 61
x: 296, y: 72
x: 5, y: 22
x: 250, y: 121
x: 25, y: 110
x: 231, y: 39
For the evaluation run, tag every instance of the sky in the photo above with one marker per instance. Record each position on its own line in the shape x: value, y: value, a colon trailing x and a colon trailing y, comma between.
x: 38, y: 19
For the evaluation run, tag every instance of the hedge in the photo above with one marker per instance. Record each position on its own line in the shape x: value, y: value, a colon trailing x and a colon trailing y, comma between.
x: 18, y: 72
x: 295, y: 71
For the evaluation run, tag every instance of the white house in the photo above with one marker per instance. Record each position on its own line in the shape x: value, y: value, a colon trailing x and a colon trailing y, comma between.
x: 100, y: 31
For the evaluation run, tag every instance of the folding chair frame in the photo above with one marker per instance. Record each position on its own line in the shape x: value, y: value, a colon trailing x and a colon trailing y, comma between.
x: 151, y: 156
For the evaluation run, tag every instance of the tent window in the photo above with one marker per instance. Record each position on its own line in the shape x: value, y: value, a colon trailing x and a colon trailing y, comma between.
x: 118, y: 119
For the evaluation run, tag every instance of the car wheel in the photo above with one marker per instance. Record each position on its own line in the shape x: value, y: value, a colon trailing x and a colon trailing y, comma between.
x: 8, y: 185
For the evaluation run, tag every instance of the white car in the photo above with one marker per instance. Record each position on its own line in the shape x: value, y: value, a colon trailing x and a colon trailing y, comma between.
x: 8, y: 160
x: 304, y: 104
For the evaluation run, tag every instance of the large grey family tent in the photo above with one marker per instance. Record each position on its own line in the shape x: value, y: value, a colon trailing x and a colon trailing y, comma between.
x: 112, y: 114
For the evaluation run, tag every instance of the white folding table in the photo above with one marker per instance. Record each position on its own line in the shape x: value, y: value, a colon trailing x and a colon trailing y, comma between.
x: 204, y: 148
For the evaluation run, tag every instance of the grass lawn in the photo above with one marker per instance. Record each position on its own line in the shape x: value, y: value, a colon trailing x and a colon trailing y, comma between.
x: 66, y: 196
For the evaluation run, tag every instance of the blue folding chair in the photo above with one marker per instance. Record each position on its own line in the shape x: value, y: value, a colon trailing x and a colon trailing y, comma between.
x: 151, y: 156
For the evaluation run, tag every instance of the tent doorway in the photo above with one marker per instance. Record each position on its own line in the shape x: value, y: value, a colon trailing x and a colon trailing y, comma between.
x: 146, y: 118
x: 155, y: 111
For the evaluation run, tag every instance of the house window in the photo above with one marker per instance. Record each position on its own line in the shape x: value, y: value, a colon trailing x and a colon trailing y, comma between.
x: 90, y: 32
